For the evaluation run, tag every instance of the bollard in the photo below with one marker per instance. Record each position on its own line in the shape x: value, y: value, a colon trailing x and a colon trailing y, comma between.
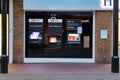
x: 4, y: 64
x: 115, y: 64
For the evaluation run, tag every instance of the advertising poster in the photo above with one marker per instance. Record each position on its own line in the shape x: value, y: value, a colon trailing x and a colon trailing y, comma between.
x: 74, y: 24
x: 86, y: 41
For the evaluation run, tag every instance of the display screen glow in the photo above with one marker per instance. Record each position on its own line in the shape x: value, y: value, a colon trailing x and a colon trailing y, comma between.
x: 34, y: 35
x: 53, y: 39
x: 73, y: 37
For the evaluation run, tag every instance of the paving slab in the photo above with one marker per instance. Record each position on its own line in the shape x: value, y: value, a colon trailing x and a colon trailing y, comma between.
x: 60, y: 71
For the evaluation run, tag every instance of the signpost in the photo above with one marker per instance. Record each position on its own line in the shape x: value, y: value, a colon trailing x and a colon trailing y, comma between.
x: 115, y: 58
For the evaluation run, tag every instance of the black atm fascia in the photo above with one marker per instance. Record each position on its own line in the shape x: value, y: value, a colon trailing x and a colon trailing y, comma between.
x: 35, y: 32
x: 73, y: 34
x: 55, y: 33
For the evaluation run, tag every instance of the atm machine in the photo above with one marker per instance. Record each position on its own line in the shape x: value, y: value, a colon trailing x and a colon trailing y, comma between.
x: 74, y: 32
x: 55, y: 33
x: 35, y: 34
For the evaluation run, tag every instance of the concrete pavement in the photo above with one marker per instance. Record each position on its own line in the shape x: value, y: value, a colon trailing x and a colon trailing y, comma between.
x: 60, y: 71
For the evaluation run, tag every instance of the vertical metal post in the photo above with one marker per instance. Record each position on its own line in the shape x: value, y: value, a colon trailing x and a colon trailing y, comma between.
x: 4, y: 57
x: 115, y: 58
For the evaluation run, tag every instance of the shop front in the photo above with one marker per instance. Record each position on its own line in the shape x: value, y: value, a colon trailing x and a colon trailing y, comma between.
x: 61, y: 35
x: 58, y: 32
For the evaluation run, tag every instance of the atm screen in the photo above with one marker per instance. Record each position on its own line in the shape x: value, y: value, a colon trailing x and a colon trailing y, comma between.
x: 35, y: 35
x: 73, y: 37
x: 53, y: 39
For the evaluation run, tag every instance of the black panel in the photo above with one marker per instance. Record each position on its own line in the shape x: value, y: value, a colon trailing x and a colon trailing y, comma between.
x: 55, y: 29
x: 61, y: 47
x: 72, y: 24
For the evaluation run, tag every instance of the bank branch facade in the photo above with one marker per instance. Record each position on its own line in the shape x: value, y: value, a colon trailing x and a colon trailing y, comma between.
x: 51, y: 31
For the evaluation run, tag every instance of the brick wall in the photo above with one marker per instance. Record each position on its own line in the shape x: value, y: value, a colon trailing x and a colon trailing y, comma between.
x: 103, y: 48
x: 18, y: 31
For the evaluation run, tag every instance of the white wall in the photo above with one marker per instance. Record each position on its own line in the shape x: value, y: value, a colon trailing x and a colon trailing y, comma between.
x: 11, y: 29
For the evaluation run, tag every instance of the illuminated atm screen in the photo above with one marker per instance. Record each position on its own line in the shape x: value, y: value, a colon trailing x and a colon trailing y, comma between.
x: 35, y: 36
x: 53, y: 40
x: 73, y: 38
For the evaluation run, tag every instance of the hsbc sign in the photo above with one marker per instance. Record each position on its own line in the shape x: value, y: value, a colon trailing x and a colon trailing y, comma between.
x: 107, y: 3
